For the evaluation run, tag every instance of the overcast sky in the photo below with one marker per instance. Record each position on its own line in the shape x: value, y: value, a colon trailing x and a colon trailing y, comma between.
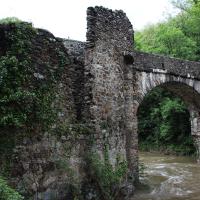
x: 67, y: 18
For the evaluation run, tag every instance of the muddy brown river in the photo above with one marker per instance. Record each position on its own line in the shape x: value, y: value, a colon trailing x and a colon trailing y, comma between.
x: 169, y: 178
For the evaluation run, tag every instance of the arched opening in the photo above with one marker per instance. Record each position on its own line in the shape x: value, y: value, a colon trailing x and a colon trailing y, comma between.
x: 186, y: 89
x: 164, y: 123
x: 169, y: 122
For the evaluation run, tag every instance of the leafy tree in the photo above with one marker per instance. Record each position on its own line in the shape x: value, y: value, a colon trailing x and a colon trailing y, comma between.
x: 9, y: 20
x: 179, y: 36
x: 164, y: 125
x: 166, y: 39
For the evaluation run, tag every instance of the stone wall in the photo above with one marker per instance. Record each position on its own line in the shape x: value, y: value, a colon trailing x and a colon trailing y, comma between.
x: 47, y: 163
x: 48, y: 168
x: 178, y: 76
x: 118, y: 78
x: 97, y: 95
x: 77, y: 56
x: 155, y: 63
x: 109, y: 84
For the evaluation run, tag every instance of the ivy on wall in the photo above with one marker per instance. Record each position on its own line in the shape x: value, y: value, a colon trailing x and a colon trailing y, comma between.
x: 26, y: 96
x: 27, y: 84
x: 105, y: 177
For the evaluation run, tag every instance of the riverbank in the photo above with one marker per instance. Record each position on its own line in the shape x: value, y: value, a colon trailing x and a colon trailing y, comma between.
x: 178, y: 150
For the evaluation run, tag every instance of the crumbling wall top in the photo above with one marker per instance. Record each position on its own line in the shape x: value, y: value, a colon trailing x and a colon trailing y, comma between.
x: 109, y: 26
x: 74, y: 47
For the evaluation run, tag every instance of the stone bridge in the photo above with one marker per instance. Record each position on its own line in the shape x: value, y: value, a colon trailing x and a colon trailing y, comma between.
x: 118, y: 78
x: 102, y: 86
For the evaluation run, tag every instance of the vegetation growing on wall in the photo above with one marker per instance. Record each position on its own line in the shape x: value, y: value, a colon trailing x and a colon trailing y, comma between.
x: 7, y: 193
x: 104, y: 176
x: 25, y: 95
x: 27, y: 87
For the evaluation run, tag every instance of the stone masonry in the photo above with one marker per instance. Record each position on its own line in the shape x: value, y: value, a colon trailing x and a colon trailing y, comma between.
x: 120, y: 78
x: 102, y: 86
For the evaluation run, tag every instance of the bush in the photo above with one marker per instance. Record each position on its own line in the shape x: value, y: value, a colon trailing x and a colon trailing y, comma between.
x: 106, y: 177
x: 7, y: 193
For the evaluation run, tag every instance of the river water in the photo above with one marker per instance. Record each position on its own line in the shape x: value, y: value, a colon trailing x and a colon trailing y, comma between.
x: 169, y: 178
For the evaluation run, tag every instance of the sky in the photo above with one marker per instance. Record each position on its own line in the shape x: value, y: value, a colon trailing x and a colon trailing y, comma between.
x: 67, y: 18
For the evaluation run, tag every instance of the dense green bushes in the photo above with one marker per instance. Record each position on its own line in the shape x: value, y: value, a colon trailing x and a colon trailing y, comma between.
x: 106, y: 178
x: 165, y: 124
x: 7, y: 193
x: 166, y: 39
x: 26, y: 95
x: 15, y: 72
x: 177, y: 37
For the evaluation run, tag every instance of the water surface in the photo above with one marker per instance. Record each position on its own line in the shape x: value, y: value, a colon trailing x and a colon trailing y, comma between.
x: 169, y: 178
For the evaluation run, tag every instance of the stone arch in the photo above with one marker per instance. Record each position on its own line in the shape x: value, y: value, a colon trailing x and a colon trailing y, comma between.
x: 188, y: 89
x: 116, y: 79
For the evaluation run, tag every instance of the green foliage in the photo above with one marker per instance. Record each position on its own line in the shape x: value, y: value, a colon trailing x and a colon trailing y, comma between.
x: 73, y: 129
x: 14, y: 72
x: 164, y: 125
x: 7, y: 193
x: 25, y: 99
x: 105, y: 176
x: 177, y: 37
x: 9, y: 20
x: 166, y: 39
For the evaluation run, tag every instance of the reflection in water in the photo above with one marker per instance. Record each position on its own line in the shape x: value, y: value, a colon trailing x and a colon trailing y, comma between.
x: 169, y: 178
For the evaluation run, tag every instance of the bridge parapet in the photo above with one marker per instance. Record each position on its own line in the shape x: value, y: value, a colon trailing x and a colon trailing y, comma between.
x: 165, y: 65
